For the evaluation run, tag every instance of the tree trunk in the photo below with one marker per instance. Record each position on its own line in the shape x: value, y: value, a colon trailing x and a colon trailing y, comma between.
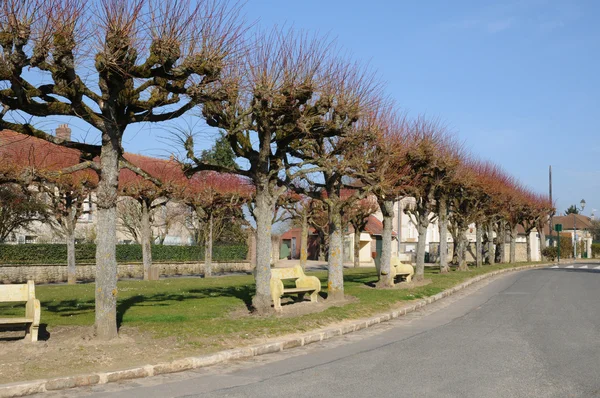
x: 513, y: 244
x: 322, y: 246
x: 422, y: 223
x: 263, y: 212
x: 106, y: 246
x: 540, y: 229
x: 502, y: 238
x: 385, y: 277
x: 208, y: 247
x: 146, y: 233
x: 304, y: 241
x: 335, y: 274
x: 71, y: 267
x: 478, y: 245
x: 528, y: 238
x: 461, y: 249
x: 491, y: 248
x: 356, y: 247
x: 443, y: 226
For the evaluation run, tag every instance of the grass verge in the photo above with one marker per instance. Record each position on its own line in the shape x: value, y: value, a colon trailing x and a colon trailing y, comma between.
x: 212, y: 314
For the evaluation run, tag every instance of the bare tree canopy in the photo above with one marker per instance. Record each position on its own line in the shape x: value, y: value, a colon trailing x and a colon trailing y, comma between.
x: 111, y: 64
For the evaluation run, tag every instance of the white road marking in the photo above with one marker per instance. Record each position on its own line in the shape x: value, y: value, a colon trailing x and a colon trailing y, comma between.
x: 569, y: 266
x: 598, y: 267
x: 583, y: 266
x: 556, y: 266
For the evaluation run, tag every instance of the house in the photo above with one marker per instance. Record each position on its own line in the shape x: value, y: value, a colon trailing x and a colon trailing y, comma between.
x: 370, y: 243
x: 579, y: 227
x: 171, y: 223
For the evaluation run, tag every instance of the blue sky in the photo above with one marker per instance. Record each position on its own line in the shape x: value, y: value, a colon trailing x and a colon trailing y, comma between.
x: 516, y: 80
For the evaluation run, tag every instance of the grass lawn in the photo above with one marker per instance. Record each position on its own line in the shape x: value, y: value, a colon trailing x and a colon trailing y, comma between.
x: 208, y: 312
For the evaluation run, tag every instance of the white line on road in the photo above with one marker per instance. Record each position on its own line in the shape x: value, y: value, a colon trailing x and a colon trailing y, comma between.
x: 598, y: 267
x: 569, y: 266
x: 583, y: 266
x: 556, y: 266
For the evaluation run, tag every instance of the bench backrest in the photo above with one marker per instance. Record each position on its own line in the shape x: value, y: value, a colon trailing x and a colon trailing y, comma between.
x: 287, y: 273
x: 22, y: 292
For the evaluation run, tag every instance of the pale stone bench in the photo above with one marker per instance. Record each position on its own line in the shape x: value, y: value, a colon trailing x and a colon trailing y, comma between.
x: 398, y: 268
x: 23, y: 292
x: 304, y: 284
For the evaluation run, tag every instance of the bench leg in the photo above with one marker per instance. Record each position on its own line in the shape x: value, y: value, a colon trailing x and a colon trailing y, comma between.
x: 277, y: 303
x: 408, y: 278
x: 314, y: 296
x: 32, y: 333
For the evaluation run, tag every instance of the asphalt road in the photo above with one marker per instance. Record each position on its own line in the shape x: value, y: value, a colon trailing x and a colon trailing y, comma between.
x: 529, y: 334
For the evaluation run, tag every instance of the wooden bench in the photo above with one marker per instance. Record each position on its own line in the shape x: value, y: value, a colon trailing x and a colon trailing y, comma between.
x: 304, y: 284
x: 23, y: 292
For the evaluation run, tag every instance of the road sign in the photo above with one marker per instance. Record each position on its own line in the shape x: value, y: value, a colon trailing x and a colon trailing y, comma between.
x: 558, y: 227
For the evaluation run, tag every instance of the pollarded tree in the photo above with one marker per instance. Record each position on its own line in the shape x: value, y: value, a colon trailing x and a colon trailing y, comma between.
x: 536, y: 211
x: 273, y: 96
x: 148, y: 197
x: 216, y: 200
x: 110, y: 64
x: 434, y: 160
x: 357, y: 215
x: 329, y: 162
x: 463, y: 202
x: 387, y: 172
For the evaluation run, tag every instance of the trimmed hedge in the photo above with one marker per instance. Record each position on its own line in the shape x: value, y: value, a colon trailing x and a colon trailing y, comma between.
x: 86, y: 253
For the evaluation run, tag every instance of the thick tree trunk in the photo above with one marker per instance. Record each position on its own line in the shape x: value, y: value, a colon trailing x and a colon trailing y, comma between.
x: 461, y: 249
x: 71, y: 267
x: 422, y: 223
x: 208, y: 247
x: 513, y: 244
x: 146, y: 233
x: 491, y: 248
x: 443, y: 226
x: 335, y: 274
x: 106, y: 262
x: 356, y: 247
x: 478, y: 245
x: 263, y: 212
x: 304, y: 242
x: 385, y: 277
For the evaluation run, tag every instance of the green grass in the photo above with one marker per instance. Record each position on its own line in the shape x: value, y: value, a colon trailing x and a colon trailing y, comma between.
x: 207, y: 312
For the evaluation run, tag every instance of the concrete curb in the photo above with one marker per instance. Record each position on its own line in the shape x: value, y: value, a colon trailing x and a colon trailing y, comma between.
x: 21, y: 389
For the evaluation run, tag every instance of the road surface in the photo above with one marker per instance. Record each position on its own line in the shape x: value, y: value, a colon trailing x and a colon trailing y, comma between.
x: 529, y: 334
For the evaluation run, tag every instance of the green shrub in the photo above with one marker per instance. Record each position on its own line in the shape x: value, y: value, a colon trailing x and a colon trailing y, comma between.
x: 596, y: 250
x: 566, y: 247
x: 550, y: 253
x: 86, y: 253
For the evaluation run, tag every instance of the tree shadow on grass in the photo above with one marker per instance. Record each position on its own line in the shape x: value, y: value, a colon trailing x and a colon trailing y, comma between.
x: 243, y: 293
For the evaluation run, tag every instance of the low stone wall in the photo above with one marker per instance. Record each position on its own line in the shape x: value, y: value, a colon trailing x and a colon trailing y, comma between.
x: 45, y: 273
x: 520, y: 251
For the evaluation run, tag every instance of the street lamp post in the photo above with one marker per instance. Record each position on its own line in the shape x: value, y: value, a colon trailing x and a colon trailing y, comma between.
x: 582, y: 203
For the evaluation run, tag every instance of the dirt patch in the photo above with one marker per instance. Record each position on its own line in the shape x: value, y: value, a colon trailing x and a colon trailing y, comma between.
x: 73, y: 350
x: 291, y: 307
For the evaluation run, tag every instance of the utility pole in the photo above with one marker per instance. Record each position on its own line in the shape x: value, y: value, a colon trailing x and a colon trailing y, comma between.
x: 552, y: 214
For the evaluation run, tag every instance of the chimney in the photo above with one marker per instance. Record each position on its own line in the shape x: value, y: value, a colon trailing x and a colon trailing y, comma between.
x: 63, y: 132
